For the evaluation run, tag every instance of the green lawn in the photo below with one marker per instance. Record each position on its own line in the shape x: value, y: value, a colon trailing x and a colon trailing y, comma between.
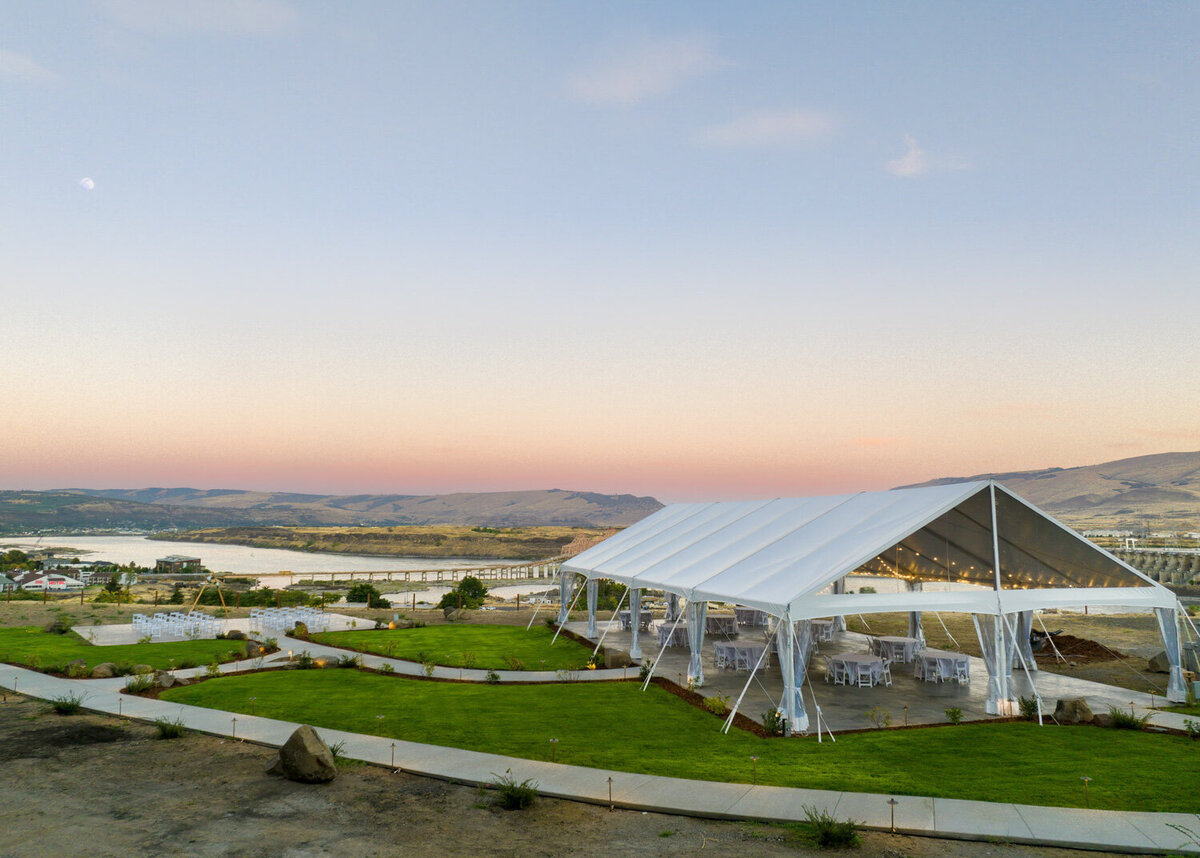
x: 454, y: 646
x: 40, y: 649
x: 614, y: 725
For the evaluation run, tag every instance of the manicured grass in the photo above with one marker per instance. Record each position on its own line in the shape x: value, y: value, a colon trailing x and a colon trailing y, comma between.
x: 454, y: 645
x: 37, y: 648
x: 1185, y: 708
x: 614, y: 725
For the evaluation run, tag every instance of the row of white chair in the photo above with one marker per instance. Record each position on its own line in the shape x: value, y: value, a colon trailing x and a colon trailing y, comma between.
x: 176, y: 624
x: 285, y: 619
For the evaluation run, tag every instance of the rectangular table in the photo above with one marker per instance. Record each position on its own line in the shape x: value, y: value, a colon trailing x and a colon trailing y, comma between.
x: 896, y: 647
x: 857, y: 665
x: 936, y: 665
x: 627, y: 624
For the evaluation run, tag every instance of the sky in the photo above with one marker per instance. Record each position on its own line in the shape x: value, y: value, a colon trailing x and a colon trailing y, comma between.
x: 682, y: 249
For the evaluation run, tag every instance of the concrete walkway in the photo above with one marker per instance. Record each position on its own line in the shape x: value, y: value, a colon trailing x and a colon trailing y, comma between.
x: 971, y: 820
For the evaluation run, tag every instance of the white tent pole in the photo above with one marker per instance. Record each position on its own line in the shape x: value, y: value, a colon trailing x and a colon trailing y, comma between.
x: 864, y: 622
x: 611, y: 620
x: 1053, y: 646
x: 738, y: 702
x: 817, y: 707
x: 538, y: 606
x: 573, y: 601
x: 661, y: 650
x: 1186, y: 619
x: 946, y: 630
x: 1002, y: 689
x: 1012, y: 631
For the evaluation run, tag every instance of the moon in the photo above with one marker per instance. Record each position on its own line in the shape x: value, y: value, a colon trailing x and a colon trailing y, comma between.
x: 87, y: 184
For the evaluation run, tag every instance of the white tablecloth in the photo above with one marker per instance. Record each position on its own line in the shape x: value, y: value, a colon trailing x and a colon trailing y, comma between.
x: 895, y: 647
x: 947, y: 664
x: 626, y: 625
x: 667, y: 638
x: 739, y: 655
x: 750, y: 616
x: 857, y: 663
x: 822, y: 630
x: 721, y: 624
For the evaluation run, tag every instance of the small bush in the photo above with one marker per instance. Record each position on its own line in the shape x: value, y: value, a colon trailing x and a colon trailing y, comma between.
x: 186, y: 663
x: 67, y: 704
x: 428, y: 668
x: 954, y: 715
x: 386, y: 668
x: 718, y: 704
x: 168, y: 729
x: 212, y: 670
x: 514, y: 795
x: 564, y: 674
x: 305, y: 661
x: 828, y: 831
x: 1029, y: 708
x: 75, y: 670
x: 60, y: 625
x: 468, y: 659
x: 144, y: 639
x: 493, y: 678
x: 469, y: 593
x: 139, y: 683
x: 514, y: 663
x: 772, y: 721
x: 337, y: 749
x: 270, y: 643
x: 1193, y: 728
x: 1119, y: 719
x: 349, y: 661
x: 880, y: 717
x: 644, y: 672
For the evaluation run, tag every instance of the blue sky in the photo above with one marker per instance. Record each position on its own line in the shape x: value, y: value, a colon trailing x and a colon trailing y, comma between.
x: 686, y: 249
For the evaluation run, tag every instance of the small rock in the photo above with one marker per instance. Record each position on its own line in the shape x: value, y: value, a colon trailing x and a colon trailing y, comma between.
x: 58, y: 626
x: 300, y: 631
x: 163, y: 679
x: 104, y: 670
x: 1160, y: 663
x: 142, y: 668
x: 253, y: 649
x: 1073, y: 710
x: 1102, y: 720
x: 235, y: 635
x: 306, y: 758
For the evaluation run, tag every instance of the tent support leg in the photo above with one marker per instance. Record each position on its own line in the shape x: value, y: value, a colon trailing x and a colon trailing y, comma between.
x: 661, y: 650
x: 745, y: 688
x: 563, y: 624
x: 538, y: 606
x: 611, y: 620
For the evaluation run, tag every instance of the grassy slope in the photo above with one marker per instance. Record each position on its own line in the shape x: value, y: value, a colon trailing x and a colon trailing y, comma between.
x: 34, y: 647
x: 614, y: 725
x: 447, y: 644
x: 516, y: 543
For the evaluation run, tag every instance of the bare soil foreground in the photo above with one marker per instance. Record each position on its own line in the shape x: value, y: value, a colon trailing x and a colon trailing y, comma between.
x: 94, y: 785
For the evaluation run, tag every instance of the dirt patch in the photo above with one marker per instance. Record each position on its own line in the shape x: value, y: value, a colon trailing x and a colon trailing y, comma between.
x: 203, y: 796
x: 1078, y: 650
x: 49, y: 738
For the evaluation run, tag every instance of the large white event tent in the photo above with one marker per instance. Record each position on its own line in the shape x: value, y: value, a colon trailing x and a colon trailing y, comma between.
x: 789, y: 557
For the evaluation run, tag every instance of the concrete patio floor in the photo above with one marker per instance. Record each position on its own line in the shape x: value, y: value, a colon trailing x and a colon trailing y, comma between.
x: 907, y: 700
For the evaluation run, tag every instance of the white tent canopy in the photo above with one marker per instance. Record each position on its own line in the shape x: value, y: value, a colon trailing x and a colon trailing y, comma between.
x: 785, y: 556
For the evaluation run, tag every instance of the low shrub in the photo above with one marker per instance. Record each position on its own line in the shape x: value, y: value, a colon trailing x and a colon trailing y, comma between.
x: 428, y: 668
x: 270, y: 643
x: 1193, y: 728
x: 1029, y: 708
x: 212, y: 670
x: 139, y: 683
x: 772, y: 721
x: 493, y: 678
x: 514, y: 663
x: 1119, y: 719
x: 644, y: 672
x: 186, y: 663
x: 168, y: 729
x: 880, y: 717
x: 75, y: 670
x: 830, y: 832
x: 954, y: 715
x: 468, y: 659
x: 349, y: 661
x: 386, y: 668
x: 305, y: 661
x: 718, y: 704
x: 513, y: 794
x: 67, y: 704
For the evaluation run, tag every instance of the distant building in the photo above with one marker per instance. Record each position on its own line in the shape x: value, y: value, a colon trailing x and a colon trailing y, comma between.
x: 174, y: 564
x: 7, y: 583
x: 36, y: 579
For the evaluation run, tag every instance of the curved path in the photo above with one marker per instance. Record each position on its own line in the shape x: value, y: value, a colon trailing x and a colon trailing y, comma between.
x: 1124, y: 831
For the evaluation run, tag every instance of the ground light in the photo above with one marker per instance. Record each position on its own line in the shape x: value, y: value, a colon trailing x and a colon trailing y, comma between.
x: 1087, y: 799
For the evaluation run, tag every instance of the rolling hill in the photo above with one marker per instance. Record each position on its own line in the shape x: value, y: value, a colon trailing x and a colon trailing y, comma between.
x: 230, y: 507
x: 1157, y: 492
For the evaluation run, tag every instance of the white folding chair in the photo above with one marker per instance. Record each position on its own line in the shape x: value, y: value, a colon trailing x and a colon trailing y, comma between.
x: 887, y: 672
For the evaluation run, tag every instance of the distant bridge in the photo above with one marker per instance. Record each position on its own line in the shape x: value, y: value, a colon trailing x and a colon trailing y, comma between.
x: 1163, y: 565
x: 537, y: 571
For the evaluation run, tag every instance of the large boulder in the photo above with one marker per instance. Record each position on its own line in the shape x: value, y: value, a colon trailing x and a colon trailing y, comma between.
x: 616, y: 658
x: 1073, y: 710
x: 163, y: 679
x: 104, y: 670
x: 454, y: 615
x: 60, y: 625
x: 254, y: 649
x: 235, y: 635
x: 306, y: 758
x: 1160, y: 663
x: 300, y: 630
x: 139, y: 669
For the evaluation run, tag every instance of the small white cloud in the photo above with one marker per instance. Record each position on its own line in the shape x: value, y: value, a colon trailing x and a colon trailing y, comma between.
x: 918, y: 162
x: 772, y: 128
x: 14, y: 66
x: 211, y: 17
x: 645, y: 71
